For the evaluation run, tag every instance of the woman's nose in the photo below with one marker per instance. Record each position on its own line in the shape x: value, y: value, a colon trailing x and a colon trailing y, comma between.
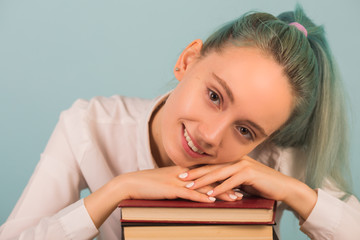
x: 212, y: 132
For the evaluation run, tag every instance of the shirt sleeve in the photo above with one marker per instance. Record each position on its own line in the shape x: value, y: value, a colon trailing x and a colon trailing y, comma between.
x: 333, y: 218
x: 49, y: 207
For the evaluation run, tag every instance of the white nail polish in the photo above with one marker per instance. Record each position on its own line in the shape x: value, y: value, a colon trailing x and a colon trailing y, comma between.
x: 189, y: 185
x: 183, y: 175
x: 239, y: 195
x: 210, y: 192
x: 232, y: 196
x: 212, y: 199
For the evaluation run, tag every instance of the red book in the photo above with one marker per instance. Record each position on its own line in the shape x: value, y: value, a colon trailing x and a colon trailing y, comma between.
x: 249, y: 210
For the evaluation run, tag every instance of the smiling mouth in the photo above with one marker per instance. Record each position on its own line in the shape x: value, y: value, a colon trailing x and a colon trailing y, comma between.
x: 191, y: 144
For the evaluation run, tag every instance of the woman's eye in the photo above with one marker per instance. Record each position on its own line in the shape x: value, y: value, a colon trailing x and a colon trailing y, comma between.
x: 245, y: 132
x: 214, y: 97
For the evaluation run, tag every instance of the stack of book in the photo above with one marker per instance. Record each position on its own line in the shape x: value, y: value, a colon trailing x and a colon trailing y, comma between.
x: 249, y: 218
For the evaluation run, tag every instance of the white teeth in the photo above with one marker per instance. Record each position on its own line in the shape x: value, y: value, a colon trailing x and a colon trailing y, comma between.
x: 191, y: 144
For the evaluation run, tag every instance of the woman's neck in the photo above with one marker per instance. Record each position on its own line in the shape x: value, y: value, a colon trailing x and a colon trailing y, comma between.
x: 156, y: 145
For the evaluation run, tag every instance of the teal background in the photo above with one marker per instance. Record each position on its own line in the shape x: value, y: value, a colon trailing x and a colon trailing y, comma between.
x: 53, y: 52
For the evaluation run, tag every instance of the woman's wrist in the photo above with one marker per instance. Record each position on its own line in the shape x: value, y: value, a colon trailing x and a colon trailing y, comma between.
x: 101, y: 203
x: 301, y: 198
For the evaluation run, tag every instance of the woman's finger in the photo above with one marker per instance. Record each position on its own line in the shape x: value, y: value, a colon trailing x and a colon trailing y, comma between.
x: 230, y: 196
x: 199, y: 172
x: 206, y: 189
x: 194, y: 195
x: 217, y: 175
x: 229, y: 183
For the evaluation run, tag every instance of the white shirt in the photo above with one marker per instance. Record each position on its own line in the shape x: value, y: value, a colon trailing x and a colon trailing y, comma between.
x: 99, y: 139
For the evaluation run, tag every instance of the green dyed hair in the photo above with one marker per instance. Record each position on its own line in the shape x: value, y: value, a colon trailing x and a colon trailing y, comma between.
x: 318, y: 123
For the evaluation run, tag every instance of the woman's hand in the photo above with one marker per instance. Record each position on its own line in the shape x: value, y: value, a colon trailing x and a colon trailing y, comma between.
x: 255, y: 178
x: 161, y: 183
x: 166, y: 183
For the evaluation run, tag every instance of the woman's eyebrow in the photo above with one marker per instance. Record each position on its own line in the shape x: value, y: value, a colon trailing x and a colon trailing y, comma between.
x: 225, y: 86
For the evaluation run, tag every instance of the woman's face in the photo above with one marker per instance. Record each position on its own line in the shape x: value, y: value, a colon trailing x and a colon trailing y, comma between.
x: 223, y: 107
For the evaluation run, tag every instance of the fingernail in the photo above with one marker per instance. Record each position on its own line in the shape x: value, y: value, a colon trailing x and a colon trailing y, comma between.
x: 189, y: 185
x: 183, y: 175
x: 210, y: 192
x: 212, y: 199
x: 239, y: 195
x: 232, y: 196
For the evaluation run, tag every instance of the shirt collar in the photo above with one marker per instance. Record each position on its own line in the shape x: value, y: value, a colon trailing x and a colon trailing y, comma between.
x: 144, y: 156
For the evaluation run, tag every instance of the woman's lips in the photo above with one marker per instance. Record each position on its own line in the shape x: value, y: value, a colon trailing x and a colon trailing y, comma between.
x: 186, y: 139
x: 191, y: 143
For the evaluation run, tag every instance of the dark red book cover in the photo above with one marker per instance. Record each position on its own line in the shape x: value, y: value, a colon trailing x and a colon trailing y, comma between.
x: 245, y: 203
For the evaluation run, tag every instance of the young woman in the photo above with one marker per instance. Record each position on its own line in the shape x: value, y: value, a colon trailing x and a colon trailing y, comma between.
x: 258, y: 107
